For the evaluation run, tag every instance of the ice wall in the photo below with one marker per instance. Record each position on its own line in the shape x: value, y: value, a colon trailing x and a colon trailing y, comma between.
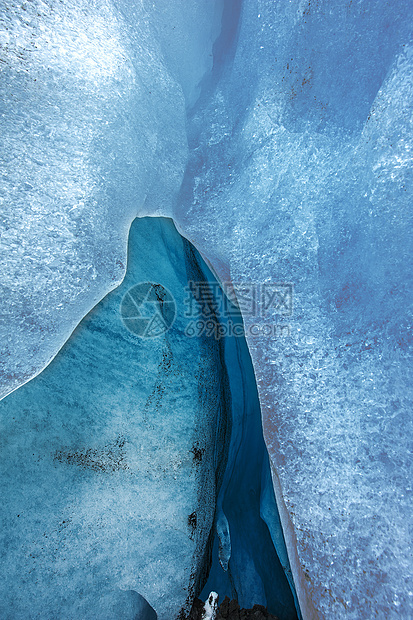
x: 300, y: 172
x: 110, y: 459
x: 93, y: 134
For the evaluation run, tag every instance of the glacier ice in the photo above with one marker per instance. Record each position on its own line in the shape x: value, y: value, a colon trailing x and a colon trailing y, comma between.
x: 296, y: 145
x: 115, y: 457
x: 101, y: 493
x: 300, y: 172
x: 248, y: 528
x: 210, y: 607
x: 93, y: 127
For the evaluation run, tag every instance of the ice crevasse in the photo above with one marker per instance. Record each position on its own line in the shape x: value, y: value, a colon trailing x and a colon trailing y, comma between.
x: 123, y: 459
x: 278, y: 137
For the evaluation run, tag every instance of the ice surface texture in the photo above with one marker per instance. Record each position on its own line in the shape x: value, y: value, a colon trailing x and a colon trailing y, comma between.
x: 249, y: 557
x: 93, y: 134
x: 104, y: 500
x: 300, y: 171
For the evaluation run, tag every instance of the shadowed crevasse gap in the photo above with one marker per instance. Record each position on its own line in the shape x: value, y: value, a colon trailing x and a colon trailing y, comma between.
x: 246, y: 506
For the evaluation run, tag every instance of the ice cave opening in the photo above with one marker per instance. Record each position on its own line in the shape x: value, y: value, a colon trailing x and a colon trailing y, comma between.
x: 134, y: 466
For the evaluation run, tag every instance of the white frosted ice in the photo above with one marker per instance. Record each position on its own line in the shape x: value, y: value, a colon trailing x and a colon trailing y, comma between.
x: 302, y: 174
x: 93, y: 134
x: 210, y: 607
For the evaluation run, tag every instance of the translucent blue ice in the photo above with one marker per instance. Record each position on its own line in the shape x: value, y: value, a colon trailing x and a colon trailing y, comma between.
x: 103, y: 499
x: 121, y: 459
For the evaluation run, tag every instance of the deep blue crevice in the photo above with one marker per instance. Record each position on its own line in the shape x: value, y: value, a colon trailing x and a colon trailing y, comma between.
x: 249, y: 558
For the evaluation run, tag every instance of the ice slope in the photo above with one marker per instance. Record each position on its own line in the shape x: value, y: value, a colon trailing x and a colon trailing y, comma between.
x: 300, y: 172
x: 104, y: 498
